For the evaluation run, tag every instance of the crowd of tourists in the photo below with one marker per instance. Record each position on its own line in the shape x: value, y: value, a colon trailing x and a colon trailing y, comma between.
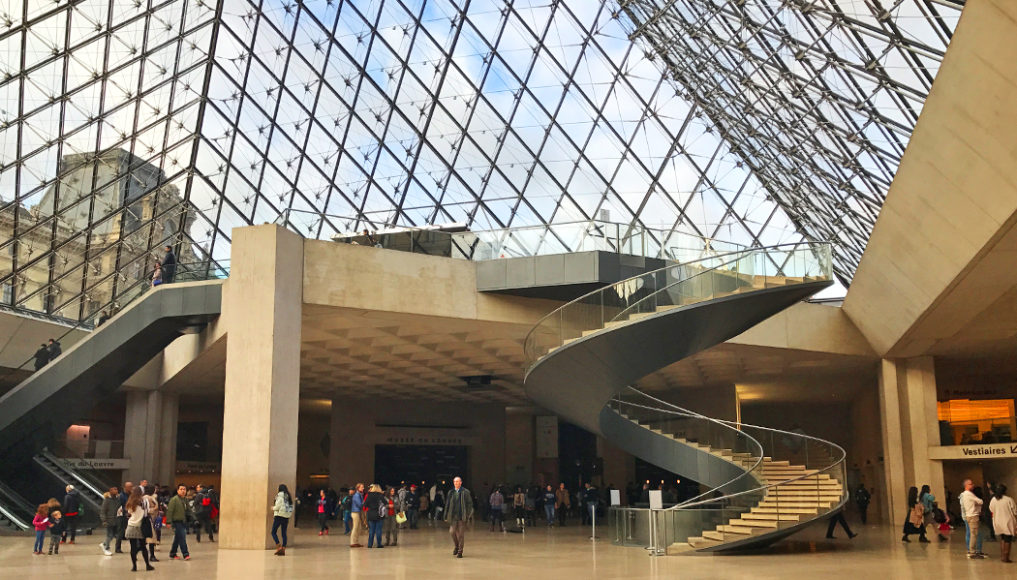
x: 995, y: 517
x: 376, y: 515
x: 135, y: 514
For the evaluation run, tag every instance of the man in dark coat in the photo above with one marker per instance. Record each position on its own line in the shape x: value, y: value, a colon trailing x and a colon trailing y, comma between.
x: 458, y: 511
x: 54, y: 350
x: 41, y: 357
x: 169, y: 265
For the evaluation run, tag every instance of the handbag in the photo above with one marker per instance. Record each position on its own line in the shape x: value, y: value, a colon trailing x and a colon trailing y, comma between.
x: 146, y: 527
x: 401, y: 518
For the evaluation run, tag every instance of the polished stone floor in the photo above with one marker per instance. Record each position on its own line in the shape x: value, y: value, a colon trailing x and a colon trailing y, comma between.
x: 561, y: 554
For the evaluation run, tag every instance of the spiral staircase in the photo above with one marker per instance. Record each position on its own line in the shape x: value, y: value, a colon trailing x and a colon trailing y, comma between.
x: 762, y: 484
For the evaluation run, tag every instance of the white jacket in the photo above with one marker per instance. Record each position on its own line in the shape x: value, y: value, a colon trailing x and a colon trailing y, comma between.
x: 971, y: 505
x: 1004, y: 515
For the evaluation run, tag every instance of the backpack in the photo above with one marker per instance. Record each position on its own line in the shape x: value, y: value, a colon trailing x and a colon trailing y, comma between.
x: 287, y: 508
x: 938, y: 516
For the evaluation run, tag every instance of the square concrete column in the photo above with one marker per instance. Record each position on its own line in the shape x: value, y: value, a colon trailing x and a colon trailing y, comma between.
x: 909, y: 422
x: 261, y: 309
x: 166, y: 467
x: 150, y: 436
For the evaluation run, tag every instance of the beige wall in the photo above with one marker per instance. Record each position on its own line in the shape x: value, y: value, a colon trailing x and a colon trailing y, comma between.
x: 934, y: 260
x: 810, y: 328
x: 369, y: 278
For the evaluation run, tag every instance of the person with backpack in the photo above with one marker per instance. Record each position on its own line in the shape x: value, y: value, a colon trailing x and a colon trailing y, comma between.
x: 204, y: 502
x: 346, y: 506
x: 376, y: 509
x: 928, y: 500
x: 282, y: 512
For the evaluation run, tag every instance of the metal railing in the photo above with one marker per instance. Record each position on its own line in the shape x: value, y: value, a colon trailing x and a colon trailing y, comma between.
x: 790, y: 500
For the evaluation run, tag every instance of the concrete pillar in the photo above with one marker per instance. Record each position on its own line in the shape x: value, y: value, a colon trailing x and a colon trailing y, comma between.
x: 351, y: 452
x: 261, y: 308
x: 907, y: 390
x: 166, y: 468
x: 150, y: 436
x: 137, y: 447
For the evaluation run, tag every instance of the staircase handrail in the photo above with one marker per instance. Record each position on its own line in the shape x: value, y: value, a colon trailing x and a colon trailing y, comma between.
x: 692, y: 503
x: 821, y: 249
x: 682, y: 412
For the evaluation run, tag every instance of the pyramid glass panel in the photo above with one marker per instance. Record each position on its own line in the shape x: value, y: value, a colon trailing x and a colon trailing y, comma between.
x: 126, y: 125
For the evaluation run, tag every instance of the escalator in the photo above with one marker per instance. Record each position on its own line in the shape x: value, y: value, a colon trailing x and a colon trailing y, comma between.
x: 42, y: 406
x: 35, y: 414
x: 16, y: 513
x: 89, y: 488
x: 583, y: 358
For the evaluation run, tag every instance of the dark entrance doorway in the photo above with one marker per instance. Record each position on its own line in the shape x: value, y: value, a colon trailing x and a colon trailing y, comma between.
x: 416, y: 463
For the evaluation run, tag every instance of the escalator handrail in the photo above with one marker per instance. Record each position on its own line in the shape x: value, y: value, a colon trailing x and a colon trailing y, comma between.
x: 71, y: 472
x: 13, y: 518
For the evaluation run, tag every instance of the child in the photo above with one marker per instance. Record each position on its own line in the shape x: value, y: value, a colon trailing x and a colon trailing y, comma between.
x: 56, y: 530
x: 41, y: 523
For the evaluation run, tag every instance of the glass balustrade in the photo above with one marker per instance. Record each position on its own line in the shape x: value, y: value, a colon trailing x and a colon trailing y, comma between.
x: 683, y: 284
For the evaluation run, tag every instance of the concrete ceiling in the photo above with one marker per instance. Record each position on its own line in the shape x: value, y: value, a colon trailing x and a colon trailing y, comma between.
x: 358, y: 353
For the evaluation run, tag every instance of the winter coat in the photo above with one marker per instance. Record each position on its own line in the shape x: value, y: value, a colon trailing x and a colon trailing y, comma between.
x: 371, y: 505
x: 72, y: 503
x: 108, y: 511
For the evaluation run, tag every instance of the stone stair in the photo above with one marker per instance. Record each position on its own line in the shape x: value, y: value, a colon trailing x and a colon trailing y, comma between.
x: 798, y: 495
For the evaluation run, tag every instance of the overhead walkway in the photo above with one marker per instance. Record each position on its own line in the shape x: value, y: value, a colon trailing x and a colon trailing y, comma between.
x: 35, y: 413
x: 582, y: 359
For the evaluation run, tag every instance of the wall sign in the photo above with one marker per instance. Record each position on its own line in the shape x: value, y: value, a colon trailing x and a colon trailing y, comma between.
x: 199, y: 466
x: 424, y: 436
x: 974, y: 452
x: 82, y: 463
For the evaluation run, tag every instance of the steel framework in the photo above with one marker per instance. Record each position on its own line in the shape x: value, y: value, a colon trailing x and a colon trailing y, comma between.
x: 129, y: 124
